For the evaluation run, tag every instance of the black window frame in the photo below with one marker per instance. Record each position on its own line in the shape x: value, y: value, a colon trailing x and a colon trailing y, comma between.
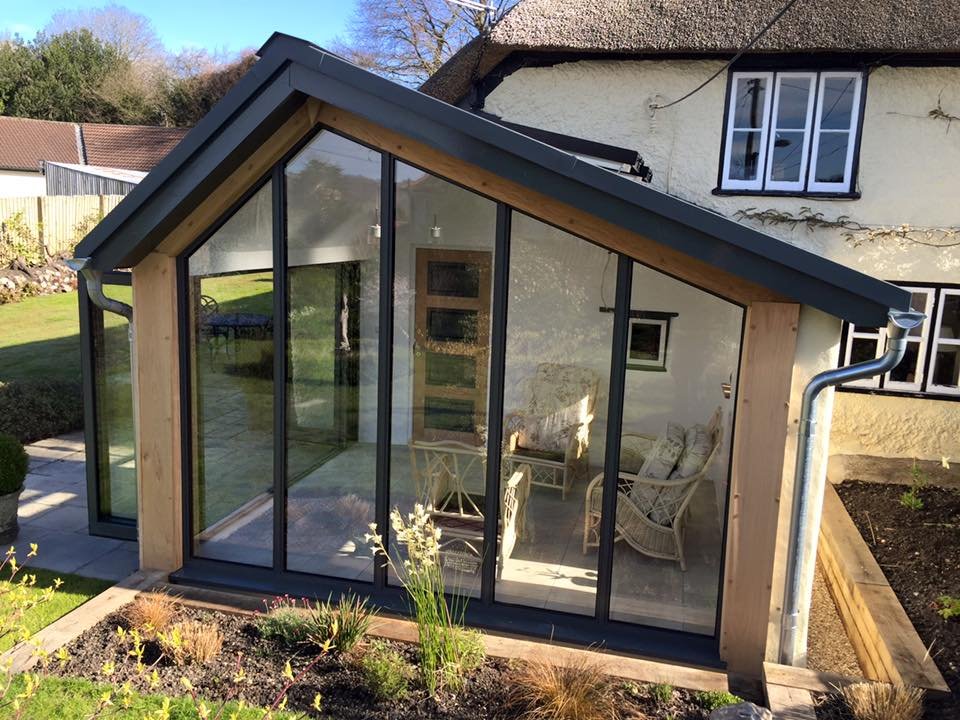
x: 931, y: 323
x: 851, y: 192
x: 485, y: 611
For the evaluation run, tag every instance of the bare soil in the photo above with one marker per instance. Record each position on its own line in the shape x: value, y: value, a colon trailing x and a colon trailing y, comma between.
x: 487, y: 693
x: 919, y: 553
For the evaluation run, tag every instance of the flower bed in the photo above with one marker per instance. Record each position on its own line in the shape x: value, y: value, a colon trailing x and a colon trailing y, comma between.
x: 102, y: 654
x: 917, y: 545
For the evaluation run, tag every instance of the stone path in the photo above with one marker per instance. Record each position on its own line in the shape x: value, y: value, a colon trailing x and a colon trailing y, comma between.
x: 53, y: 514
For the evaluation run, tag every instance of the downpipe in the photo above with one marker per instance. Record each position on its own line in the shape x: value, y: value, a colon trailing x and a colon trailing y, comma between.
x: 899, y: 325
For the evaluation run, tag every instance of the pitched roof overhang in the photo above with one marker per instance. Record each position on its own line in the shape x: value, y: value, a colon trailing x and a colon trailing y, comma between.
x: 290, y: 69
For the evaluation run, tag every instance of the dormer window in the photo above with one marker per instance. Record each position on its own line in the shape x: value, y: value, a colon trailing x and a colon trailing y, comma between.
x: 792, y: 133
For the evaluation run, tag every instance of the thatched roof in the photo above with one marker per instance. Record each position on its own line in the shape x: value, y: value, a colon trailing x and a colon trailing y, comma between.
x: 651, y: 27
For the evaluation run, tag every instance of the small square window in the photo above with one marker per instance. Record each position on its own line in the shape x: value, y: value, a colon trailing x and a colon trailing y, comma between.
x: 647, y: 344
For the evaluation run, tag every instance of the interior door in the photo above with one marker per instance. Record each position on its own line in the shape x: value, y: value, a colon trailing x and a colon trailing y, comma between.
x: 451, y: 344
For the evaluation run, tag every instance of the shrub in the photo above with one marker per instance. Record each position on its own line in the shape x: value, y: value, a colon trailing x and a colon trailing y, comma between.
x: 386, y: 671
x: 285, y: 622
x: 911, y: 498
x: 878, y: 701
x: 14, y: 464
x: 343, y: 624
x: 577, y: 690
x: 192, y: 642
x: 32, y: 410
x: 710, y: 700
x: 446, y: 652
x: 948, y: 607
x: 151, y: 613
x: 661, y: 693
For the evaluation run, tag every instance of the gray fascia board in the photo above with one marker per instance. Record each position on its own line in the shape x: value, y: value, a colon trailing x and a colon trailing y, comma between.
x: 193, y: 143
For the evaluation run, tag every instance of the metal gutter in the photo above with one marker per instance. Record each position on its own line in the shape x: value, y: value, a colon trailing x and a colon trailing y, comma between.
x: 94, y: 280
x: 799, y: 565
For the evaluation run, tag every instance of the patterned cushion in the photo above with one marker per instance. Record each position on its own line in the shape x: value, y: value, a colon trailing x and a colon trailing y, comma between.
x: 697, y: 447
x: 545, y: 433
x: 664, y: 455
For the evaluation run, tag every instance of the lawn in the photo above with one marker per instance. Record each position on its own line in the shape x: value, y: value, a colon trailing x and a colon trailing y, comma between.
x: 41, y: 337
x: 75, y: 699
x: 74, y: 592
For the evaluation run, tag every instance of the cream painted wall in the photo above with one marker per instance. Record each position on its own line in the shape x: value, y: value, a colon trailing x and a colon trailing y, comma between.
x: 907, y: 175
x: 15, y: 183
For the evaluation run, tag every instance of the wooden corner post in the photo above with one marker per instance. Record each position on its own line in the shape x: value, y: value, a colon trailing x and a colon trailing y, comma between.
x: 159, y: 500
x: 763, y: 400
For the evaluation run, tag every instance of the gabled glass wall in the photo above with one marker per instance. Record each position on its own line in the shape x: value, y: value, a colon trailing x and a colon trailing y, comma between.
x: 364, y: 335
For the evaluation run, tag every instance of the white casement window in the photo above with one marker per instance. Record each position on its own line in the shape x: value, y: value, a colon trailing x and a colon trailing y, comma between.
x: 945, y: 358
x: 747, y: 123
x: 834, y: 133
x: 791, y: 132
x: 937, y: 339
x: 908, y: 375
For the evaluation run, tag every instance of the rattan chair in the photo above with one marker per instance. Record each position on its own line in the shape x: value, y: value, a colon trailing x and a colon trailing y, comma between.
x: 650, y: 512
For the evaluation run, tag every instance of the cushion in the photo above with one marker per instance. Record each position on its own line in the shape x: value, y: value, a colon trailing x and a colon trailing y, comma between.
x: 696, y: 450
x: 664, y: 454
x: 546, y: 433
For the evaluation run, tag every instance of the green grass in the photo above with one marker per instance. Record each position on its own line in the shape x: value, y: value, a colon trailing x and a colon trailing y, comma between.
x: 75, y: 699
x: 41, y: 336
x: 74, y: 592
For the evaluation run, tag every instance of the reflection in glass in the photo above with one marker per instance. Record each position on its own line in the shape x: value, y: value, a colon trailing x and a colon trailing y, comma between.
x: 745, y: 155
x: 832, y: 157
x: 441, y: 353
x: 793, y: 101
x: 749, y: 102
x: 906, y: 371
x: 231, y: 309
x: 863, y: 349
x: 671, y: 500
x: 787, y: 156
x: 116, y: 461
x: 950, y: 317
x: 555, y: 402
x: 333, y: 196
x: 947, y: 371
x: 837, y: 102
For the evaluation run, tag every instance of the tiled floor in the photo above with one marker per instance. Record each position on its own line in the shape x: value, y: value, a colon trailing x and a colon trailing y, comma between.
x: 53, y: 514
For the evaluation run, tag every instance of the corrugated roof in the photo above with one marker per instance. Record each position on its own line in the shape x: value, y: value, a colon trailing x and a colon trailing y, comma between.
x: 133, y: 147
x: 25, y: 143
x: 121, y: 174
x: 642, y: 27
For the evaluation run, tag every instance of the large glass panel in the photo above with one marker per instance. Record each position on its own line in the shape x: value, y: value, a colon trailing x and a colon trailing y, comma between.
x: 555, y: 403
x: 441, y: 357
x: 231, y: 311
x: 836, y: 106
x: 748, y: 99
x: 674, y: 458
x: 793, y: 101
x: 333, y: 266
x: 832, y: 157
x: 116, y: 461
x: 745, y: 155
x: 785, y: 162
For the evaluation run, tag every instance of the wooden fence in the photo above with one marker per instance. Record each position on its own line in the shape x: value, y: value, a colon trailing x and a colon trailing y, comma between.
x: 51, y: 224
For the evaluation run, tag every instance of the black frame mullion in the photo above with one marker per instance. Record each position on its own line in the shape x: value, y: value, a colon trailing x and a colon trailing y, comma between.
x: 611, y: 461
x: 385, y: 361
x: 498, y: 351
x: 280, y: 334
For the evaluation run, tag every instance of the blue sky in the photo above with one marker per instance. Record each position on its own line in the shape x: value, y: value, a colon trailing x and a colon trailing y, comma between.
x: 213, y: 24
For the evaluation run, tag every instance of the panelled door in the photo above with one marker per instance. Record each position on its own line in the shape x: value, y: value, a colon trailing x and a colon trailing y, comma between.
x: 451, y: 344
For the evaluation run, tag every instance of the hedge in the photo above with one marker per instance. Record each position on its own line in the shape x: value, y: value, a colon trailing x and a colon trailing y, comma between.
x: 32, y: 410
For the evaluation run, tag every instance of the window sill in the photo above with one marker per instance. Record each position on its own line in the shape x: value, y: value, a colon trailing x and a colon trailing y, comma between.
x: 899, y: 393
x: 790, y: 193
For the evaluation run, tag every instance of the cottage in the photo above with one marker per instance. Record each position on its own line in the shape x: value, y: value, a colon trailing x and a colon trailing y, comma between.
x: 350, y: 297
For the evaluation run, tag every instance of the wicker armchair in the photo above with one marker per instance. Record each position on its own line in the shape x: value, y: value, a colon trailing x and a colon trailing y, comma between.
x: 650, y: 512
x: 552, y: 433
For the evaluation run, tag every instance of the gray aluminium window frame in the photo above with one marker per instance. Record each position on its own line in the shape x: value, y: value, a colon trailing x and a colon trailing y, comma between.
x: 484, y: 611
x: 91, y: 318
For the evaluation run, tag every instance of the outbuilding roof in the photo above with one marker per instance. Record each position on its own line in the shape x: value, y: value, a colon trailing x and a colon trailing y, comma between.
x: 25, y: 143
x: 716, y: 27
x: 290, y: 69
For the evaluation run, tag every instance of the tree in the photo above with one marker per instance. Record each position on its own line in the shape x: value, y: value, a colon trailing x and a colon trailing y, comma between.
x: 58, y: 77
x: 408, y: 40
x: 131, y: 34
x: 190, y: 96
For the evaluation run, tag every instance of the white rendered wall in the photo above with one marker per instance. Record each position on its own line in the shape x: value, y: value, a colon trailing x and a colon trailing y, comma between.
x: 16, y: 183
x: 907, y: 175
